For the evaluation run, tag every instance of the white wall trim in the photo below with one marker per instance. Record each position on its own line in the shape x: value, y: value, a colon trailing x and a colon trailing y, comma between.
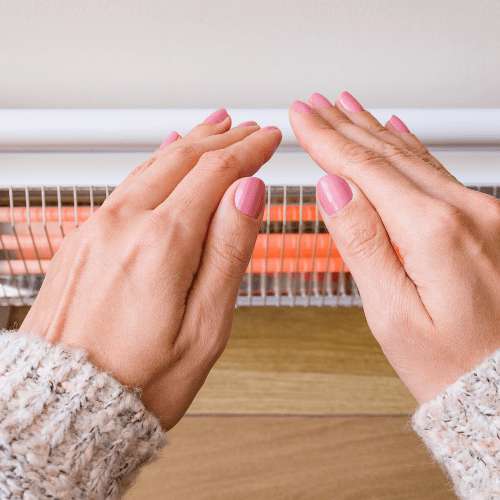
x: 127, y: 130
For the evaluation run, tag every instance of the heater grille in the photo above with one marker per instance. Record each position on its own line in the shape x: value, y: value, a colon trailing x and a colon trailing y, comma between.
x: 294, y: 262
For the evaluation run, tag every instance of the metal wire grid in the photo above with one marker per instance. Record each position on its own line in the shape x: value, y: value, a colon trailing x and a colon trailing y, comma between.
x: 33, y: 220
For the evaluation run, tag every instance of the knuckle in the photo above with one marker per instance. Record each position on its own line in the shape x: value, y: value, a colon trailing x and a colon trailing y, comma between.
x: 391, y: 152
x: 217, y: 347
x: 351, y: 153
x: 397, y: 319
x: 377, y: 129
x: 485, y: 211
x: 151, y: 231
x: 229, y: 259
x: 211, y: 344
x: 447, y: 222
x: 221, y: 159
x: 212, y: 340
x: 430, y: 160
x: 115, y: 208
x: 426, y: 156
x: 112, y: 208
x: 183, y: 153
x: 420, y: 149
x: 138, y: 170
x: 174, y: 233
x: 364, y: 241
x: 177, y: 227
x: 81, y: 240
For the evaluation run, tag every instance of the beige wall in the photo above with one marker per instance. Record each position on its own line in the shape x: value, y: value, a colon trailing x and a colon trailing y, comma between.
x: 248, y: 54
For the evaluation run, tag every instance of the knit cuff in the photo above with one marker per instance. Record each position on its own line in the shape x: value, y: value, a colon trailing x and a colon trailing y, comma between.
x: 67, y: 429
x: 461, y: 429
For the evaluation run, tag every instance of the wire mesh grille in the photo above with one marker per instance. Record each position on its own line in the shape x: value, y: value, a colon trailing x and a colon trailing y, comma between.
x: 294, y: 262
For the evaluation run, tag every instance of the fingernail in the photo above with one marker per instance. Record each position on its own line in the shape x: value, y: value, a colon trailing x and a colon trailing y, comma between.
x: 269, y: 128
x: 302, y: 107
x: 333, y: 193
x: 399, y: 125
x: 249, y: 195
x: 247, y: 124
x: 170, y: 139
x: 349, y: 103
x: 321, y: 101
x: 217, y: 117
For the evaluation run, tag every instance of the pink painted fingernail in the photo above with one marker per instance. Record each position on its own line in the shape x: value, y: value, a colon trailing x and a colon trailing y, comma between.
x: 302, y: 107
x: 269, y: 128
x: 249, y: 195
x: 247, y: 124
x: 321, y: 101
x: 349, y: 103
x: 217, y: 117
x: 334, y: 193
x: 170, y: 139
x: 399, y: 125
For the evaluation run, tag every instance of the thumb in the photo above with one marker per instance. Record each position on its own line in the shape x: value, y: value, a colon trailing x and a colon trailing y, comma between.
x: 225, y: 257
x: 363, y: 243
x: 231, y: 239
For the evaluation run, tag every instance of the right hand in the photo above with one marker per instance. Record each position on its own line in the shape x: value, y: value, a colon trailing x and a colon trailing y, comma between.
x: 436, y: 315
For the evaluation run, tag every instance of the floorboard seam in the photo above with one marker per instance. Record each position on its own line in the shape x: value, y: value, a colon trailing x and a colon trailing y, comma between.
x: 308, y: 415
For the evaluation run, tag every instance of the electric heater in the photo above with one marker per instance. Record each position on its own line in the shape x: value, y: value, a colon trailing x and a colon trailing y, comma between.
x: 58, y: 166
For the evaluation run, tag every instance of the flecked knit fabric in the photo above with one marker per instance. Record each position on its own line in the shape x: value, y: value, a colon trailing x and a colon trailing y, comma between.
x: 461, y: 429
x: 71, y: 431
x: 68, y: 430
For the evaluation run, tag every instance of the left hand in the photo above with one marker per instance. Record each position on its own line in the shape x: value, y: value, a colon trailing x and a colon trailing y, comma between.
x: 148, y: 284
x: 436, y: 313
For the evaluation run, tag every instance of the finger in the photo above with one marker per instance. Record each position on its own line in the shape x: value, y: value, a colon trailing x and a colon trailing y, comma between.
x: 194, y: 201
x: 171, y: 138
x: 400, y: 156
x: 339, y: 119
x: 351, y: 108
x: 388, y: 294
x: 119, y: 190
x: 217, y: 123
x: 161, y: 178
x: 400, y: 129
x: 226, y: 255
x: 361, y: 126
x: 397, y: 198
x: 202, y: 131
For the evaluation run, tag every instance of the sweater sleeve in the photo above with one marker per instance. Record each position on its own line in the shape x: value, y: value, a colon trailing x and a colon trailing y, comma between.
x: 67, y: 429
x: 71, y: 431
x: 461, y: 429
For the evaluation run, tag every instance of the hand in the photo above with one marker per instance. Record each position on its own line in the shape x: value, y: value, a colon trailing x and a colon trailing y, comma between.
x: 436, y: 315
x: 148, y: 284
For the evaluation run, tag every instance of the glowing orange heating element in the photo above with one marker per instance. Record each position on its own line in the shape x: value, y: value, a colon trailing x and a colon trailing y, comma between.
x: 31, y: 251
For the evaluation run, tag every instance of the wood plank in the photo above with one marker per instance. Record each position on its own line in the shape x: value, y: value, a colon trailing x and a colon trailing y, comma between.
x: 5, y: 316
x: 17, y: 315
x: 302, y: 360
x: 246, y: 392
x: 219, y: 458
x: 304, y: 339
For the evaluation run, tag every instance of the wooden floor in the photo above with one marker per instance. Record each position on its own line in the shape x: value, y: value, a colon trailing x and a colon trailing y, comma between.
x: 302, y: 404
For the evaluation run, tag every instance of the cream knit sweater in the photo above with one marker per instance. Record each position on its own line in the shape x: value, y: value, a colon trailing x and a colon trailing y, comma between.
x: 70, y: 431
